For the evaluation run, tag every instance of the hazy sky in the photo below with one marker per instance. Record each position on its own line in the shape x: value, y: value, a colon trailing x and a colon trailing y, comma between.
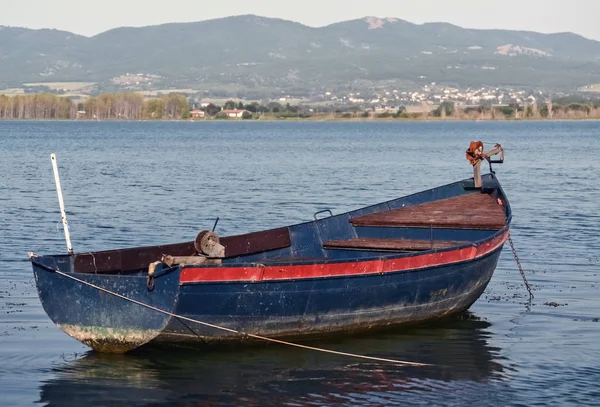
x: 91, y: 17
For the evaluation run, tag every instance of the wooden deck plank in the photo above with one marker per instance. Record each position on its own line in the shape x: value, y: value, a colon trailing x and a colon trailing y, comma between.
x: 391, y: 244
x: 473, y: 211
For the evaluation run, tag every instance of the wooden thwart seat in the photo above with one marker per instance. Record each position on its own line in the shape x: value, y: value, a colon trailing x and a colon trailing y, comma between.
x: 391, y: 244
x: 473, y: 211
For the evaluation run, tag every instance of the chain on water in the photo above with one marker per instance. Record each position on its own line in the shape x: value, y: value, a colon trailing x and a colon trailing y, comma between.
x: 514, y: 251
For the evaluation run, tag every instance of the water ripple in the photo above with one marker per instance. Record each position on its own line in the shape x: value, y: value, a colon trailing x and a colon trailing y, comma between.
x: 261, y: 175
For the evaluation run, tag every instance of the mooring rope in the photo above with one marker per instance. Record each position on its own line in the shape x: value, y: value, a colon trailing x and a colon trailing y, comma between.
x: 297, y: 345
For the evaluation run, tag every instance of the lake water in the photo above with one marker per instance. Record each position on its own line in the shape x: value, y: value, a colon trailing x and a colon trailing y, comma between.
x: 130, y: 184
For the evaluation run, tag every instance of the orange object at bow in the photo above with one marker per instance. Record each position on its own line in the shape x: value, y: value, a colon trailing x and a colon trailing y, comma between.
x: 475, y: 152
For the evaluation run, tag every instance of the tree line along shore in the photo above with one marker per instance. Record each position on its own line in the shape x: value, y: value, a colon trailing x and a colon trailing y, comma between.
x: 133, y: 106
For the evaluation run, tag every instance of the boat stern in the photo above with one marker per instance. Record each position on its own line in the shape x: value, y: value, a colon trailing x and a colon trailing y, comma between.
x: 104, y: 311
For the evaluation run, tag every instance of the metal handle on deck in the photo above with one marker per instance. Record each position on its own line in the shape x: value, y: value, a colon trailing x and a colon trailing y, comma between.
x: 323, y: 211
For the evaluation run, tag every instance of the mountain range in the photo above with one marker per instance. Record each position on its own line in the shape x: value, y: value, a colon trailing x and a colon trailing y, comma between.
x: 252, y: 53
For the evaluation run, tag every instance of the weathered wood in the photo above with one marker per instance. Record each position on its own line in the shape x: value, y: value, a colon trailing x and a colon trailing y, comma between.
x: 477, y: 181
x: 188, y: 260
x: 133, y: 259
x: 128, y: 259
x: 391, y: 244
x: 256, y: 242
x: 473, y: 211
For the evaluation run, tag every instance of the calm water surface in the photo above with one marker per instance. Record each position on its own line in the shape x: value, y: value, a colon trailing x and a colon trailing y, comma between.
x: 130, y: 184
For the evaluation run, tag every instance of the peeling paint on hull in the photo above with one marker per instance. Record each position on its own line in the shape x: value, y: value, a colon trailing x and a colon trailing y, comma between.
x: 112, y: 325
x: 109, y: 340
x: 405, y: 315
x: 104, y: 322
x: 468, y: 282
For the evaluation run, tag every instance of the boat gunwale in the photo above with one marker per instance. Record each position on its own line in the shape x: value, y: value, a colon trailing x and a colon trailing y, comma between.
x: 336, y: 277
x: 388, y: 255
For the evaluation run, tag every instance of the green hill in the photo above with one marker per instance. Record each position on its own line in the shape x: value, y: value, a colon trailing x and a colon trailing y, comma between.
x: 252, y: 52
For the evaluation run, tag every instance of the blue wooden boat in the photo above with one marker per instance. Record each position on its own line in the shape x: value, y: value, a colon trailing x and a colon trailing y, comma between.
x: 416, y: 258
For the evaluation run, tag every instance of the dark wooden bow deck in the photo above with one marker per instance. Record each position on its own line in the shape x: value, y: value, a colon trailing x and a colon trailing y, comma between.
x: 473, y: 211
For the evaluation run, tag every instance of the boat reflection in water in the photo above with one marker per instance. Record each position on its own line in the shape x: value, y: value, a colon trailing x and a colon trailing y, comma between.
x: 458, y: 350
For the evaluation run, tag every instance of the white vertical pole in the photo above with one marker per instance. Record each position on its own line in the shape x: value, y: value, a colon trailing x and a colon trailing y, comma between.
x: 61, y: 203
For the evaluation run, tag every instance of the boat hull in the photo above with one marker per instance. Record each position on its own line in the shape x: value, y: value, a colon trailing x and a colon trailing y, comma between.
x: 321, y: 306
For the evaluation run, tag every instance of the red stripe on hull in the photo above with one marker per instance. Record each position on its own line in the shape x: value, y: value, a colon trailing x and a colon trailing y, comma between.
x: 269, y: 273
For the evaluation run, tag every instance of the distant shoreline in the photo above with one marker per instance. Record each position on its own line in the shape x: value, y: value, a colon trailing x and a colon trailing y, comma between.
x: 176, y: 107
x: 306, y: 120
